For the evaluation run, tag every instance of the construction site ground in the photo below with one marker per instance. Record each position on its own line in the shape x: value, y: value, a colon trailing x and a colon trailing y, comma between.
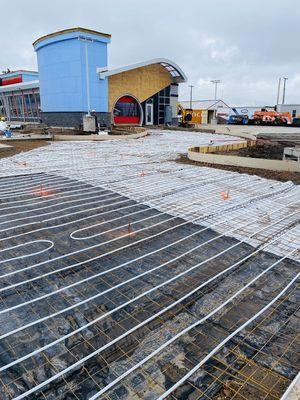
x: 126, y: 275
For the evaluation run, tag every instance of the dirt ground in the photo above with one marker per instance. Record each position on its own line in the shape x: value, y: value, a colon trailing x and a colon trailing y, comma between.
x: 21, y: 145
x: 263, y: 149
x: 281, y: 176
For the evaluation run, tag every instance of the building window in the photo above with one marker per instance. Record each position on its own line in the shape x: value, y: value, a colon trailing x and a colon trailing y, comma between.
x: 21, y: 105
x: 294, y: 113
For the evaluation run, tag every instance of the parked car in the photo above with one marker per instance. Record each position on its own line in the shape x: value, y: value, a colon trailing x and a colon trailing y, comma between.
x: 238, y: 120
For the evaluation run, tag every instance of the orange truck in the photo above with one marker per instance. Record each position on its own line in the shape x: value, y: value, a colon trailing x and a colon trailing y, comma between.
x: 265, y: 117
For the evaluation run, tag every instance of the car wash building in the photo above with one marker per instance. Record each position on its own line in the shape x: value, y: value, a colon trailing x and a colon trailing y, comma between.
x: 74, y: 79
x: 20, y: 96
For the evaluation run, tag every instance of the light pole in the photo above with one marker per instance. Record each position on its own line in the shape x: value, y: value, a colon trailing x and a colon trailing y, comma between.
x: 215, y: 82
x: 284, y: 85
x: 191, y: 96
x: 278, y: 91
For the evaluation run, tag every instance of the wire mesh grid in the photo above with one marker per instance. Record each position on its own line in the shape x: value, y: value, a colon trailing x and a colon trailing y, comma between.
x: 100, y: 294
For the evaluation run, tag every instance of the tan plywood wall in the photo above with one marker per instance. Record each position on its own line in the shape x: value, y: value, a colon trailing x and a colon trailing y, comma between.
x: 141, y: 82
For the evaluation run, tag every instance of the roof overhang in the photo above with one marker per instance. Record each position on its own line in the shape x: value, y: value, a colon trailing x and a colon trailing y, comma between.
x: 18, y: 72
x: 174, y: 70
x: 203, y: 104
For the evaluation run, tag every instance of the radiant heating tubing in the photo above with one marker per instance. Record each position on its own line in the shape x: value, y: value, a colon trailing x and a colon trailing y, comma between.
x: 259, y: 212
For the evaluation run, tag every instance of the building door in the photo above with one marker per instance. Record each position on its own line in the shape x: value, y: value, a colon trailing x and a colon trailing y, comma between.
x: 204, y: 117
x: 149, y: 113
x: 168, y: 115
x: 211, y: 114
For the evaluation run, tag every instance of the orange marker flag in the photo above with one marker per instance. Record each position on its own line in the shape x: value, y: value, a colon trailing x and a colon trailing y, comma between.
x: 130, y: 232
x: 225, y: 195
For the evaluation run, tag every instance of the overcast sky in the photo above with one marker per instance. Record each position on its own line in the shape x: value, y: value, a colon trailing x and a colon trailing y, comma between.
x: 248, y: 45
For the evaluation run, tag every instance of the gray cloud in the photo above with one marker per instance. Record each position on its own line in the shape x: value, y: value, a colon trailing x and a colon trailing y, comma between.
x: 247, y: 45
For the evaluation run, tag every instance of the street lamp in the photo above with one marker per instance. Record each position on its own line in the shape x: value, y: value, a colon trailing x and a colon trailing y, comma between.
x: 284, y: 85
x: 191, y: 96
x: 215, y: 82
x: 278, y: 91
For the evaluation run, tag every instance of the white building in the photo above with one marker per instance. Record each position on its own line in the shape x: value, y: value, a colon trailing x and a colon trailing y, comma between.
x: 207, y: 108
x: 293, y: 109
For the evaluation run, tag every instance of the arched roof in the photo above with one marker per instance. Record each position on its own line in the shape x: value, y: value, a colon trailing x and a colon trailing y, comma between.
x: 170, y: 66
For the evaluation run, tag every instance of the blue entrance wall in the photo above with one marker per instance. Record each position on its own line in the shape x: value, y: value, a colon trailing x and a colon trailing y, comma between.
x: 62, y: 71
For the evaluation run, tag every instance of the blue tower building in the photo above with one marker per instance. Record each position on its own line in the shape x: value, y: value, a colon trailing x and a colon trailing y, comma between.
x: 69, y: 83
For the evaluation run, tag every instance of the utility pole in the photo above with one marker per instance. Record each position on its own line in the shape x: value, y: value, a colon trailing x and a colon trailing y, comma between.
x: 191, y: 96
x: 284, y: 85
x: 278, y: 91
x: 216, y: 82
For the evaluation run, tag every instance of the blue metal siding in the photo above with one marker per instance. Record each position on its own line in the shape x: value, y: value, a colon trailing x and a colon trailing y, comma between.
x: 62, y: 73
x: 97, y: 57
x: 60, y: 77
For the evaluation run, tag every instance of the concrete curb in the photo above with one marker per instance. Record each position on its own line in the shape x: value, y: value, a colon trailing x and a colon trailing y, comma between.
x: 257, y: 163
x: 28, y: 137
x: 223, y: 147
x: 99, y: 138
x: 243, y: 135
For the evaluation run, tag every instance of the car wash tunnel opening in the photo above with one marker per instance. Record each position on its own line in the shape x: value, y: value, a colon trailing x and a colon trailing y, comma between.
x: 130, y: 276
